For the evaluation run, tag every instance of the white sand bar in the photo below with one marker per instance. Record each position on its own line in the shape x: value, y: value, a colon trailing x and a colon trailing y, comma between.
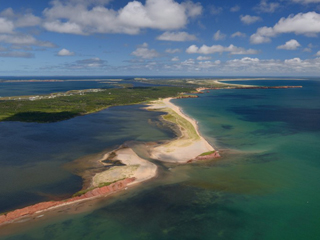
x: 136, y: 167
x: 188, y: 145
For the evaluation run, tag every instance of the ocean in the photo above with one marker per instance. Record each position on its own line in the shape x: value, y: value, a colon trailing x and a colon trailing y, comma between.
x: 265, y: 186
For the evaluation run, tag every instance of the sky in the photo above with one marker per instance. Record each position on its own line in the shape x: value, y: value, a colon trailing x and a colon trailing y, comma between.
x: 159, y: 38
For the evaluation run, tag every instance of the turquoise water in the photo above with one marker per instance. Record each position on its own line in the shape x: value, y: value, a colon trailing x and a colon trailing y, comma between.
x: 266, y: 185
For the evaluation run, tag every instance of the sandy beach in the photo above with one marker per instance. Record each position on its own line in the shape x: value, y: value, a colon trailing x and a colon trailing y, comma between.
x: 188, y: 145
x: 135, y: 167
x: 125, y: 168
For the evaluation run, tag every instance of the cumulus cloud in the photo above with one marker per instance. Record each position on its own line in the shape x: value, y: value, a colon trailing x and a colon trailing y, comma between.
x: 318, y: 53
x: 219, y: 36
x: 77, y: 18
x: 20, y: 20
x: 290, y: 45
x: 144, y: 52
x: 302, y: 23
x: 238, y: 34
x: 231, y: 49
x: 192, y: 9
x: 247, y: 19
x: 65, y: 52
x: 271, y: 66
x: 177, y: 36
x: 243, y: 66
x: 10, y: 21
x: 6, y: 26
x: 265, y: 6
x: 175, y: 59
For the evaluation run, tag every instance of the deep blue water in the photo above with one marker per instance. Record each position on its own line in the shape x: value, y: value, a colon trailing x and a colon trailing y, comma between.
x: 265, y: 186
x: 16, y: 88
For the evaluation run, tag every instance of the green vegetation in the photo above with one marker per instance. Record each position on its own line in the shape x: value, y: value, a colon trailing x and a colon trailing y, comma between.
x: 190, y: 82
x: 184, y: 124
x: 103, y: 184
x: 77, y: 194
x: 207, y: 153
x: 66, y: 107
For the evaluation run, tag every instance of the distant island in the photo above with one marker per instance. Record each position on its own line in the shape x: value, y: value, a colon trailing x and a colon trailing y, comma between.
x: 62, y: 106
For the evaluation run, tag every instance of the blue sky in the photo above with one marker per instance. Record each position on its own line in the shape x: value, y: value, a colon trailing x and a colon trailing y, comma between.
x: 160, y: 37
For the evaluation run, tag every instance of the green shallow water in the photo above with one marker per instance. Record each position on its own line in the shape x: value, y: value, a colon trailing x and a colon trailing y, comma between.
x: 266, y: 185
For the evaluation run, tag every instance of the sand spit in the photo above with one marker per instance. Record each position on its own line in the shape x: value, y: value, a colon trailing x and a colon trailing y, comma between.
x: 189, y: 145
x: 135, y: 167
x: 39, y: 209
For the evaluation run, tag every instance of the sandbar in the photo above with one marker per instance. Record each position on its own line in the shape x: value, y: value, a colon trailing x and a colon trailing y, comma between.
x: 189, y: 145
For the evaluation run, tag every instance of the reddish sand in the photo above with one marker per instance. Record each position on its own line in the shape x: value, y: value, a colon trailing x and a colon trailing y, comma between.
x: 45, y: 206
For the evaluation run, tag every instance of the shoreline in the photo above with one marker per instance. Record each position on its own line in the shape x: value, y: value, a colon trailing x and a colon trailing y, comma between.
x: 187, y: 147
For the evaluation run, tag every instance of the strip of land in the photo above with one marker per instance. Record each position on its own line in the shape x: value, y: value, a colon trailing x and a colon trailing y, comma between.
x: 188, y: 146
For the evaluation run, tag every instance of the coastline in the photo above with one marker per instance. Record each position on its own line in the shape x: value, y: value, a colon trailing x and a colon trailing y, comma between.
x: 186, y: 147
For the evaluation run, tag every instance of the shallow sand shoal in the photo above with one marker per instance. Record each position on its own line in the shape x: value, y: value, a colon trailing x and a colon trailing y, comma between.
x: 136, y: 167
x: 188, y: 145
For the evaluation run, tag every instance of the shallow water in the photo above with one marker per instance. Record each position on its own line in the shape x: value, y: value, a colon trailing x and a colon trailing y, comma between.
x: 32, y: 155
x: 266, y: 186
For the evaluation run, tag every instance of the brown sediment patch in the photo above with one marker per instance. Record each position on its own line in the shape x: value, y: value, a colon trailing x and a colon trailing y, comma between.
x: 37, y: 209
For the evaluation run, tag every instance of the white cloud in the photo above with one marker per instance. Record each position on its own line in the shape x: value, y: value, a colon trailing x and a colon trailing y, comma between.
x: 301, y: 23
x: 264, y: 6
x: 247, y: 19
x: 290, y: 45
x: 219, y: 36
x: 318, y: 53
x: 203, y: 58
x: 175, y: 59
x: 172, y: 51
x: 238, y: 34
x: 204, y: 49
x: 77, y: 18
x: 22, y: 39
x: 271, y: 66
x: 6, y: 26
x: 244, y: 66
x: 192, y: 9
x: 65, y: 52
x: 63, y: 27
x: 90, y: 63
x: 235, y: 8
x: 20, y: 20
x: 16, y: 54
x: 176, y: 36
x: 145, y: 53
